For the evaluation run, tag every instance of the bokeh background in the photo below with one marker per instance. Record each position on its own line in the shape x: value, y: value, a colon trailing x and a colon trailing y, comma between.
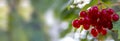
x: 46, y: 20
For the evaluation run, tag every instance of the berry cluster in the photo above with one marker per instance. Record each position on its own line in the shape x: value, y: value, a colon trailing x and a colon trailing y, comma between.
x: 98, y: 20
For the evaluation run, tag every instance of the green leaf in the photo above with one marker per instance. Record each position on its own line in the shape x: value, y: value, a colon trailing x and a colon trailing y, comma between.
x: 118, y: 34
x: 60, y: 8
x: 69, y: 15
x: 84, y: 39
x: 60, y: 5
x: 116, y: 25
x: 107, y: 2
x: 93, y: 2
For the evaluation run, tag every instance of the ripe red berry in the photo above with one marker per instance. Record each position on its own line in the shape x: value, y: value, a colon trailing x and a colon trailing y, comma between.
x: 115, y: 17
x: 83, y: 13
x: 93, y: 12
x: 104, y: 13
x: 93, y: 22
x: 103, y: 31
x: 110, y: 11
x: 99, y: 22
x: 109, y: 25
x: 94, y: 32
x: 90, y: 11
x: 104, y: 22
x: 81, y: 21
x: 95, y: 8
x: 87, y: 20
x: 86, y: 26
x: 99, y: 28
x: 98, y: 15
x: 109, y: 17
x: 75, y: 23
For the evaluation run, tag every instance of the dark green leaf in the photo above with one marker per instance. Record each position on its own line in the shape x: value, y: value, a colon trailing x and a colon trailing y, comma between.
x: 69, y: 15
x: 116, y: 25
x: 107, y: 2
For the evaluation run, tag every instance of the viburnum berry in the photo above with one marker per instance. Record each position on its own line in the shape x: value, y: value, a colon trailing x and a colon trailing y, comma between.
x: 115, y: 17
x: 93, y: 22
x: 94, y: 32
x: 83, y: 14
x: 103, y: 31
x: 81, y: 21
x: 109, y: 25
x: 75, y: 23
x: 95, y: 9
x: 104, y: 13
x: 98, y: 14
x: 110, y: 11
x: 87, y: 20
x: 109, y: 17
x: 98, y: 29
x: 86, y: 26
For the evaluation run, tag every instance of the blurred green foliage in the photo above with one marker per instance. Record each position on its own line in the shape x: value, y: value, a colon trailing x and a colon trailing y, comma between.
x: 19, y: 30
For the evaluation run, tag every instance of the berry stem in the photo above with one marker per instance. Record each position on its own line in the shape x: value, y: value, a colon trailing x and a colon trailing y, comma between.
x: 99, y: 4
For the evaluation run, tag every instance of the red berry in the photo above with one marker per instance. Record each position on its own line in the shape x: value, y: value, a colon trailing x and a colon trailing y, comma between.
x: 104, y: 13
x: 93, y: 12
x: 109, y: 25
x: 104, y: 22
x: 99, y: 22
x: 109, y: 17
x: 110, y: 11
x: 94, y: 32
x: 87, y: 20
x: 115, y: 17
x: 99, y: 28
x: 93, y: 22
x: 83, y: 13
x: 103, y: 31
x: 98, y: 15
x: 95, y: 8
x: 81, y: 21
x: 75, y: 23
x: 86, y: 26
x: 90, y: 11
